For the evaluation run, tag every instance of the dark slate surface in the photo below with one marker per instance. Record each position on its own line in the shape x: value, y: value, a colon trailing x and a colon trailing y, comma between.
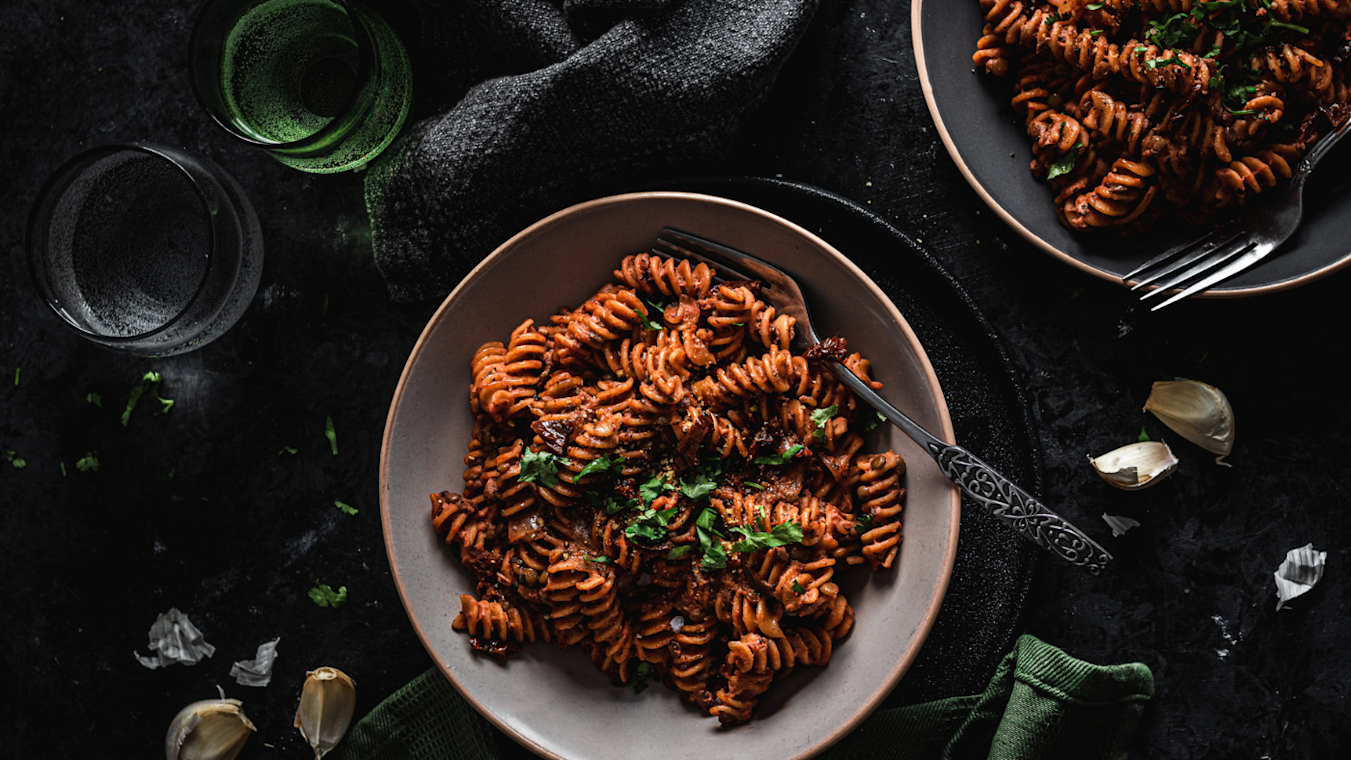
x: 238, y: 533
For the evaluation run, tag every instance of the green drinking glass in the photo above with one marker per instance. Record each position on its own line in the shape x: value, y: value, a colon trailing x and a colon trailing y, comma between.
x: 322, y: 85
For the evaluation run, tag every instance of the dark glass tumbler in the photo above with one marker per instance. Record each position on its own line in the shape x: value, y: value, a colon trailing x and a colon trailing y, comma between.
x: 322, y: 85
x: 145, y: 248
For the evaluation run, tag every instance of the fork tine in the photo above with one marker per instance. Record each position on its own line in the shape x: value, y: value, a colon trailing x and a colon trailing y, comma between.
x: 1212, y: 242
x: 1238, y: 265
x: 725, y: 272
x: 757, y: 269
x: 1217, y: 258
x: 1182, y: 248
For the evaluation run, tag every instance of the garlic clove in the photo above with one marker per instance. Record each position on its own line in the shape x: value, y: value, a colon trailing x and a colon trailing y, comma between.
x: 213, y: 729
x: 327, y: 702
x: 1136, y: 466
x: 1196, y: 411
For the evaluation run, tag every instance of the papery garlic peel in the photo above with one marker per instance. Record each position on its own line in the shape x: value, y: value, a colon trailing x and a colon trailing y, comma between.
x: 327, y: 702
x: 1137, y: 465
x: 213, y: 729
x: 1196, y: 411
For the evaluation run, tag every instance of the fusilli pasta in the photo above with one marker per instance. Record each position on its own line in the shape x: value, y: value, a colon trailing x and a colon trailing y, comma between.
x: 657, y: 478
x: 1138, y: 106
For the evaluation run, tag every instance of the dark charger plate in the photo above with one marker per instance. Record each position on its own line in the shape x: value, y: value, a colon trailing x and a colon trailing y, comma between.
x: 988, y: 142
x: 990, y: 578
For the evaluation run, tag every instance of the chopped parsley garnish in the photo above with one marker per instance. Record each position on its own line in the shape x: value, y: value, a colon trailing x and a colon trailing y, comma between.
x: 287, y: 450
x: 1095, y: 6
x: 1155, y: 63
x: 346, y: 508
x: 870, y: 422
x: 863, y: 524
x: 781, y: 535
x: 778, y: 459
x: 609, y: 503
x: 649, y: 491
x: 94, y: 399
x: 88, y: 463
x: 710, y: 540
x: 324, y: 595
x: 331, y: 434
x: 755, y: 485
x: 641, y: 674
x: 820, y: 417
x: 63, y: 469
x: 149, y: 382
x: 1064, y: 164
x: 798, y: 588
x: 603, y: 465
x: 680, y: 551
x: 648, y: 324
x: 650, y: 525
x: 601, y: 558
x: 698, y: 486
x: 541, y: 468
x: 15, y: 461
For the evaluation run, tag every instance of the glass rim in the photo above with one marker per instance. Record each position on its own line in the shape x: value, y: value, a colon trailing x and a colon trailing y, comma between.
x: 365, y: 59
x: 78, y: 165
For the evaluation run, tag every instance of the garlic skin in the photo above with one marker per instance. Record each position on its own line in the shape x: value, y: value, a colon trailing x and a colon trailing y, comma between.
x: 1196, y: 411
x: 1136, y: 466
x: 327, y: 702
x: 213, y: 729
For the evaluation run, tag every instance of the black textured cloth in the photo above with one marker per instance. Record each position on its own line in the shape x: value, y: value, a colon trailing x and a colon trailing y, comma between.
x: 602, y: 92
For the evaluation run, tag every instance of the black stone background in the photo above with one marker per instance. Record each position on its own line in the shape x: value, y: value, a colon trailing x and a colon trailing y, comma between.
x: 87, y: 560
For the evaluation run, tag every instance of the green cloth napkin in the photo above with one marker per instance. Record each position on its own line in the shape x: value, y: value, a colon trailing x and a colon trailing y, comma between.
x: 1041, y: 703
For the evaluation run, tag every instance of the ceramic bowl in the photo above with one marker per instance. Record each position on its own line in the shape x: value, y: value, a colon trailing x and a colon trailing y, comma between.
x: 555, y: 702
x: 990, y: 147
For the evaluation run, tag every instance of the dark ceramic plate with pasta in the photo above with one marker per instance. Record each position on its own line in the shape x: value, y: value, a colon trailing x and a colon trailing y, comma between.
x: 987, y: 134
x: 769, y: 626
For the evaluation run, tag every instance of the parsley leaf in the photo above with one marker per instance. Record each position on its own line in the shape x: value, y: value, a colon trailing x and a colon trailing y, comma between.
x: 1096, y: 6
x: 331, y: 434
x: 715, y: 556
x: 821, y: 416
x: 647, y: 323
x: 754, y: 485
x: 650, y: 525
x: 346, y: 508
x: 609, y: 503
x: 777, y: 459
x: 781, y: 535
x: 94, y: 399
x: 601, y: 558
x: 149, y: 380
x: 88, y: 463
x: 1143, y: 436
x: 649, y: 491
x: 680, y: 551
x: 287, y: 450
x: 869, y: 423
x: 1064, y: 164
x: 641, y: 674
x: 16, y: 462
x: 699, y: 486
x: 863, y: 524
x: 602, y: 465
x: 798, y: 588
x: 540, y: 467
x: 324, y: 595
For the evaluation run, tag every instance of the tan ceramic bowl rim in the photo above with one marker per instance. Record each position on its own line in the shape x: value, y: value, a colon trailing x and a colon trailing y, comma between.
x: 945, y: 433
x: 927, y: 86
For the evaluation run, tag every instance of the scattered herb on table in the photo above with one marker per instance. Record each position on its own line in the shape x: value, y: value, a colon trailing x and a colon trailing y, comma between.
x: 346, y: 508
x: 94, y: 399
x: 287, y: 450
x: 324, y: 595
x: 331, y: 434
x: 88, y: 463
x: 15, y: 461
x: 150, y: 381
x: 63, y: 469
x: 1143, y: 436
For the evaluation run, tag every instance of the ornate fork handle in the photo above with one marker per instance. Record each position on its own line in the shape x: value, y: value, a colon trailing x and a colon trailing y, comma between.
x: 1001, y: 496
x: 1016, y: 507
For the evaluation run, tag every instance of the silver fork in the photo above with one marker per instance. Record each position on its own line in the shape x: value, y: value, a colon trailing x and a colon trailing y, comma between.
x: 1003, y: 498
x: 1238, y: 245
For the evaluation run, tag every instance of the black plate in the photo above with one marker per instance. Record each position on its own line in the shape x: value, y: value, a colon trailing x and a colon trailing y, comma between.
x: 987, y: 140
x: 993, y: 569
